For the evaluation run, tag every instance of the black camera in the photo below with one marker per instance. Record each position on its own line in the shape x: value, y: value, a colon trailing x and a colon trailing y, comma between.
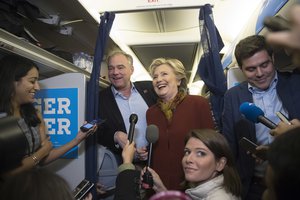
x: 13, y: 143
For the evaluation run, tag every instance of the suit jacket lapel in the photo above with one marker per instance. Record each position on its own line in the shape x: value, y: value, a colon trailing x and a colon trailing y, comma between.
x: 115, y: 112
x: 144, y: 92
x: 245, y: 96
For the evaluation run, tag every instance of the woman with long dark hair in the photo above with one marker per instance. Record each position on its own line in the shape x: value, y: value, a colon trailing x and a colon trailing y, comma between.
x: 18, y: 85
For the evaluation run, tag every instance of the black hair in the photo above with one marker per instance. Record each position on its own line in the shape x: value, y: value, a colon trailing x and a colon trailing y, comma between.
x: 13, y: 68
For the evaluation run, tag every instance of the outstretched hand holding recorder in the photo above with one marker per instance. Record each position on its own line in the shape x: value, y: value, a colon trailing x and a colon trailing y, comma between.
x: 89, y: 125
x: 251, y: 147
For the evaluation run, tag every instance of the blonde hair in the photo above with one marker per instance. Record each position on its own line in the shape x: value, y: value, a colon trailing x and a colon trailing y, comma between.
x: 176, y: 65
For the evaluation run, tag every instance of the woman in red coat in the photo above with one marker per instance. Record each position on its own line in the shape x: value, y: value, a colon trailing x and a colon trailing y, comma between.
x: 175, y: 114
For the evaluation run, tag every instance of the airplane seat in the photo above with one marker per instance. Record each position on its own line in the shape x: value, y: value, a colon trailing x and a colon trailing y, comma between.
x: 107, y: 172
x: 234, y: 76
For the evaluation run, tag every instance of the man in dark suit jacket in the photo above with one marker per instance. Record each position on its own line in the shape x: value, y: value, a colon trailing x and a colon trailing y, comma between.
x: 255, y: 60
x: 113, y: 132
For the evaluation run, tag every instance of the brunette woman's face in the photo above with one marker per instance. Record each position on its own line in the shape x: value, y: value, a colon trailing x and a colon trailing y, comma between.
x: 26, y: 87
x: 199, y: 163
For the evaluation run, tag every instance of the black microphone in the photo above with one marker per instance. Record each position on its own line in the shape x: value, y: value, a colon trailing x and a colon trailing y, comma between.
x: 132, y: 120
x: 151, y: 136
x: 255, y: 115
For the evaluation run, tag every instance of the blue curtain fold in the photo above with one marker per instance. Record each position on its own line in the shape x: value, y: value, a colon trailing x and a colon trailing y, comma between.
x: 93, y: 97
x: 210, y: 67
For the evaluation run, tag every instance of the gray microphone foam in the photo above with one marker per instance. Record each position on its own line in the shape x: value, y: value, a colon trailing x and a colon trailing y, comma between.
x: 152, y: 133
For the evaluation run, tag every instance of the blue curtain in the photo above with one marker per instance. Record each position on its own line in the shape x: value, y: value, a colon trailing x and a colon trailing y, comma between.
x: 210, y: 67
x: 93, y: 97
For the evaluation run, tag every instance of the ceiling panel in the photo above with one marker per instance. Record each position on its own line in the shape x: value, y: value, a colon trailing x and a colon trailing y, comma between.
x: 149, y: 21
x: 148, y: 34
x: 137, y: 22
x: 146, y: 53
x: 181, y: 19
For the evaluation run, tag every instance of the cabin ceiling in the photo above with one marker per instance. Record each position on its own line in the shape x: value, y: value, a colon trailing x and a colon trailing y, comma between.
x: 146, y: 34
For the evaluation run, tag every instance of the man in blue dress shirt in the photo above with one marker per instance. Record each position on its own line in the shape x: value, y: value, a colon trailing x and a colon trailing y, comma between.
x: 269, y: 90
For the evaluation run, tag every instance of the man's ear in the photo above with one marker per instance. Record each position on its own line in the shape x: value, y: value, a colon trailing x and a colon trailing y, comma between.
x: 273, y: 57
x: 132, y: 68
x: 221, y: 164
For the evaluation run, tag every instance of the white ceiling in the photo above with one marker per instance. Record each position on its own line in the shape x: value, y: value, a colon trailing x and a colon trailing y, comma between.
x: 170, y: 32
x: 145, y: 34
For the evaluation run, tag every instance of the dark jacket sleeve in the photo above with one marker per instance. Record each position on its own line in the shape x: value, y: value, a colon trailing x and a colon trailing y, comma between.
x: 235, y: 126
x: 127, y: 185
x: 288, y: 90
x: 108, y: 110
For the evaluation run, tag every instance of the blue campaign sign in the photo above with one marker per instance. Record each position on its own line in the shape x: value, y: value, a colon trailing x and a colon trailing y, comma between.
x: 59, y: 108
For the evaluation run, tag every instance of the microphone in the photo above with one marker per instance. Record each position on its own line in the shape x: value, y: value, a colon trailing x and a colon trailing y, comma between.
x: 152, y: 137
x: 255, y: 114
x: 132, y: 120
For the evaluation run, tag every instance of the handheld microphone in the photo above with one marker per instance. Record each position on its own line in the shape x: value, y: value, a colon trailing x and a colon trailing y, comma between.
x: 255, y: 115
x: 132, y: 120
x: 152, y: 137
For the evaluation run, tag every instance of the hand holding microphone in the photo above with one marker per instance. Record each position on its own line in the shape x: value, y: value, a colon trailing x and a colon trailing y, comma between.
x: 121, y: 137
x: 158, y: 185
x: 128, y: 152
x: 152, y: 137
x: 255, y: 114
x: 283, y: 127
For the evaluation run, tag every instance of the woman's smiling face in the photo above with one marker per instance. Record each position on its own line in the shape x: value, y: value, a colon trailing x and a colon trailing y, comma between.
x: 26, y: 87
x: 165, y: 82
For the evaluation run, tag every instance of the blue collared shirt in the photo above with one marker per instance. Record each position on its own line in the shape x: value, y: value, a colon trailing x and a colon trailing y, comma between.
x: 269, y: 102
x: 134, y: 104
